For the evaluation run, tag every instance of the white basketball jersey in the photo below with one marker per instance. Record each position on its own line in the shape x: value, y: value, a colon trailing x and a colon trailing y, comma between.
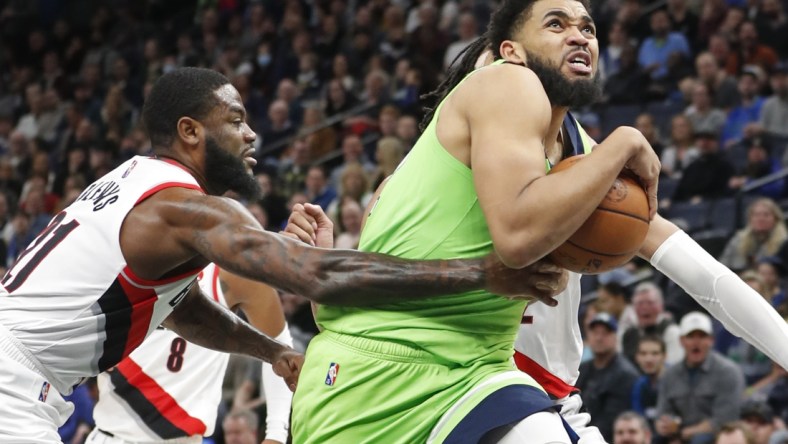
x: 167, y: 388
x: 549, y: 345
x: 71, y: 299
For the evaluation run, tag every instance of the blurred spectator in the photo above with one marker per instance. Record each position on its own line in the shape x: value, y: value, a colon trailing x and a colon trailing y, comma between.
x: 772, y: 272
x: 704, y: 117
x: 691, y: 405
x: 318, y: 190
x: 612, y: 298
x: 353, y: 184
x: 631, y: 428
x: 683, y: 151
x: 645, y: 123
x: 277, y: 129
x: 763, y: 236
x: 271, y: 201
x: 683, y: 20
x: 720, y: 48
x: 759, y: 163
x: 772, y: 26
x: 707, y: 176
x: 408, y: 130
x: 652, y: 320
x: 734, y: 433
x: 751, y: 50
x: 321, y: 139
x: 390, y: 152
x: 720, y: 84
x: 759, y: 416
x: 241, y: 427
x: 712, y: 15
x: 774, y: 113
x: 748, y: 111
x: 352, y: 152
x: 626, y: 85
x: 293, y: 168
x: 663, y: 51
x: 650, y: 358
x: 351, y: 214
x: 338, y: 98
x: 466, y: 33
x: 606, y: 380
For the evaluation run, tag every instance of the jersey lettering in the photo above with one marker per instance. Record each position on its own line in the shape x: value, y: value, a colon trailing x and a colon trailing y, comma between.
x: 16, y: 276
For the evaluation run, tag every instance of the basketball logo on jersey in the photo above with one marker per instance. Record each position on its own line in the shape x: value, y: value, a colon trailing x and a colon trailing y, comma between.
x: 333, y: 371
x: 42, y: 396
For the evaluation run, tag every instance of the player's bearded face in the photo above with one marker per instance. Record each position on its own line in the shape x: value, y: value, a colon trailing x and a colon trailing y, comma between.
x: 562, y: 91
x: 223, y: 171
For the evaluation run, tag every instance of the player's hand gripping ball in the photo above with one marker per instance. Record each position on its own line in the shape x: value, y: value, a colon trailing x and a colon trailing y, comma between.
x: 614, y: 232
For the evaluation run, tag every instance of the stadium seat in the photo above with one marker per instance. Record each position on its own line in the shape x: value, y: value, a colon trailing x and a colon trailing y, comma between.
x: 618, y: 115
x: 692, y: 217
x: 663, y: 112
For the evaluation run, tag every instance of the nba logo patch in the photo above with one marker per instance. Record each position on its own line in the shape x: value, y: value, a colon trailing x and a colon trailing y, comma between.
x: 333, y: 371
x: 44, y: 392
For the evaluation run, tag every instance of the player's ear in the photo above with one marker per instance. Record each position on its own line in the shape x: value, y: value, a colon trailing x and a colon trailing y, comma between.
x: 513, y: 52
x: 190, y: 131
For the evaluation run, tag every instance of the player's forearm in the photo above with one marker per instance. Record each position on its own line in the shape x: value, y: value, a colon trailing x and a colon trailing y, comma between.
x: 570, y: 195
x: 741, y: 309
x: 203, y: 322
x: 345, y: 277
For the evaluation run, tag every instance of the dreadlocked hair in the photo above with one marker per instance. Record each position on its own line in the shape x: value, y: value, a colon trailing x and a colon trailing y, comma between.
x: 504, y: 23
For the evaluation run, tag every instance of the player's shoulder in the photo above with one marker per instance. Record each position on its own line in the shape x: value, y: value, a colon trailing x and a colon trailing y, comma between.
x: 504, y: 75
x: 505, y: 88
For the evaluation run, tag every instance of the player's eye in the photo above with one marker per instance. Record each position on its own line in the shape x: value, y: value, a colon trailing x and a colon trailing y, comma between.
x: 556, y: 24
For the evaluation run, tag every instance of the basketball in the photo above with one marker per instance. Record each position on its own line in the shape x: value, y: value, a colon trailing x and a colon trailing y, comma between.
x: 614, y: 232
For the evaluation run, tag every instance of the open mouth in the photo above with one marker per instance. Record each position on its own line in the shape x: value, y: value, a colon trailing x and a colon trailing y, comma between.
x: 579, y: 62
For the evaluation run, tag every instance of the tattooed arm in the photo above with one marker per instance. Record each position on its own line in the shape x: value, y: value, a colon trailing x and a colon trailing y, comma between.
x: 178, y: 225
x: 200, y: 320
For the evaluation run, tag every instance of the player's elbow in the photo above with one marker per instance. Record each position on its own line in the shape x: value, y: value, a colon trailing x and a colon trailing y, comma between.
x: 524, y: 248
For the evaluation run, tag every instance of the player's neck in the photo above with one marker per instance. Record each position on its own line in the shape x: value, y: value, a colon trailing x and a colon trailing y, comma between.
x: 187, y: 165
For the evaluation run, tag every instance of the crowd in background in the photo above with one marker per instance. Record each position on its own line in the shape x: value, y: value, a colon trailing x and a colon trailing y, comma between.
x: 332, y: 89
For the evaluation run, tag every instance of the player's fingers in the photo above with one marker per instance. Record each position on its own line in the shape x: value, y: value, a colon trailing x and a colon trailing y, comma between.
x: 301, y: 234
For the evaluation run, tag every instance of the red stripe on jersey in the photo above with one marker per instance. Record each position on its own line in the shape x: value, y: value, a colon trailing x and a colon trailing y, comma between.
x: 167, y: 406
x: 142, y: 301
x: 166, y: 185
x: 129, y: 273
x: 550, y: 382
x: 215, y: 284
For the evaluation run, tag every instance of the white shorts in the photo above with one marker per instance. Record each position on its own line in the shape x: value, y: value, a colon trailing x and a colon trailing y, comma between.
x: 30, y: 409
x: 571, y: 407
x: 99, y: 437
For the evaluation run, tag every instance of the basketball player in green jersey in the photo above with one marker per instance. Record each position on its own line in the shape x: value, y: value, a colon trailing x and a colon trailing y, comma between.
x: 440, y: 370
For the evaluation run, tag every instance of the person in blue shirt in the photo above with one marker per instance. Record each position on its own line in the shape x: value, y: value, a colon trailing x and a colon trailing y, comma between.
x: 657, y: 49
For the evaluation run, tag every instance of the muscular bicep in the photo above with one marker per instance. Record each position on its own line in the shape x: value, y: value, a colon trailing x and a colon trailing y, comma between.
x: 507, y: 130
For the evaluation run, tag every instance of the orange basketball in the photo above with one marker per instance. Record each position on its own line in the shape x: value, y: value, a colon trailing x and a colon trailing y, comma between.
x: 614, y: 232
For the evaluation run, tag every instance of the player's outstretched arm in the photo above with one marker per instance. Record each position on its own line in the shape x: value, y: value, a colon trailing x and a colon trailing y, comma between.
x: 222, y: 231
x: 741, y: 309
x: 200, y: 320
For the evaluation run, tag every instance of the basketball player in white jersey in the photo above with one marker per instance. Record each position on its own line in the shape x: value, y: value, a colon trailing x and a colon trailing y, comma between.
x: 123, y: 258
x: 168, y: 390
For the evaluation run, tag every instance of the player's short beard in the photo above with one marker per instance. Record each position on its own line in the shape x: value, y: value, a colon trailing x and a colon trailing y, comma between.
x: 561, y: 91
x: 223, y: 172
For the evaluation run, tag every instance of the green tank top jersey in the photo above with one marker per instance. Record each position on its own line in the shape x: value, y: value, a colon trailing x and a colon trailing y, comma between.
x: 429, y: 210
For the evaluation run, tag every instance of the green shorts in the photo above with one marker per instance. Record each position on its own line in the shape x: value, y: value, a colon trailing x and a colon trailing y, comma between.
x: 358, y: 390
